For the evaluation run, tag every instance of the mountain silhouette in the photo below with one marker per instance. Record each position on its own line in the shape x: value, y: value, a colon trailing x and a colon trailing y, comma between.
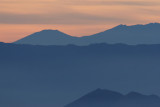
x: 47, y: 37
x: 135, y: 34
x: 107, y: 98
x: 53, y: 76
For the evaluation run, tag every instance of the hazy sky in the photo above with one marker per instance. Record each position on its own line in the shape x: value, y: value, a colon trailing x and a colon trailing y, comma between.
x: 19, y: 18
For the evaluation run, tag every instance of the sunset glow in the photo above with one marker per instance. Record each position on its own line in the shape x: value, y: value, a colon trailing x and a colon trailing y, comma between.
x: 19, y: 18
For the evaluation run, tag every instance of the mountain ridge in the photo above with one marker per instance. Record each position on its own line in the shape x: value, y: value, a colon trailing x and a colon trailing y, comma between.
x: 134, y: 34
x: 108, y: 98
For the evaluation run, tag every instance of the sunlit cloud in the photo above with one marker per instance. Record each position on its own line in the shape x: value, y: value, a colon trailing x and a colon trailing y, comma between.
x: 69, y: 18
x: 113, y: 2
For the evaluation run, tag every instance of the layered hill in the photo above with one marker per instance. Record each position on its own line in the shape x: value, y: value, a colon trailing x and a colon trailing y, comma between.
x: 135, y: 34
x: 107, y: 98
x: 53, y: 76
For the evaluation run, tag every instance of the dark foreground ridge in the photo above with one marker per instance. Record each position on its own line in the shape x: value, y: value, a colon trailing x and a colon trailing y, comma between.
x: 135, y: 34
x: 53, y: 76
x: 107, y: 98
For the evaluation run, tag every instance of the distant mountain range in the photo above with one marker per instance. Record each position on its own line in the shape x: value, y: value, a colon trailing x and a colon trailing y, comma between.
x: 107, y: 98
x: 53, y: 76
x: 136, y: 34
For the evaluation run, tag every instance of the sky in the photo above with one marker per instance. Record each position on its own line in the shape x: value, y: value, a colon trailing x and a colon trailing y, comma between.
x: 19, y: 18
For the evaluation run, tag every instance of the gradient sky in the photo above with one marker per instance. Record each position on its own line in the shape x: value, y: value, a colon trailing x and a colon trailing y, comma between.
x: 19, y: 18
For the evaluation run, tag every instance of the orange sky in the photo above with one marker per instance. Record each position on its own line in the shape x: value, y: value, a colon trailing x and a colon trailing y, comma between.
x: 19, y: 18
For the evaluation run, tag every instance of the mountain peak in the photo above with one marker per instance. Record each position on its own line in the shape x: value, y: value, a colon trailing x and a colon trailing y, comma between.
x: 107, y: 98
x: 156, y: 23
x: 50, y: 31
x: 134, y: 95
x: 101, y: 94
x: 126, y: 26
x: 47, y: 30
x: 47, y: 37
x: 120, y: 26
x: 104, y: 92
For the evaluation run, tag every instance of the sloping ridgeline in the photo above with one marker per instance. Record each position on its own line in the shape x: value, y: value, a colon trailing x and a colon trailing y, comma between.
x: 107, y: 98
x: 135, y: 34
